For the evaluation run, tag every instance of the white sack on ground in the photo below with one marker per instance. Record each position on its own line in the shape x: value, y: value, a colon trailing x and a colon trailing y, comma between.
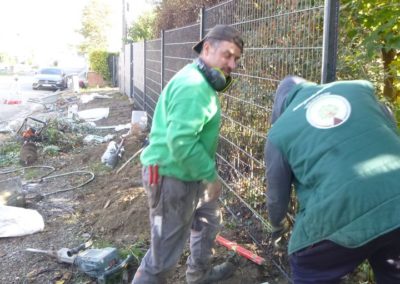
x: 16, y: 221
x: 94, y: 114
x: 89, y: 97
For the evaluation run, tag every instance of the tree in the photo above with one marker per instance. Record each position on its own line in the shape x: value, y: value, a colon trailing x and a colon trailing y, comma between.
x: 177, y: 13
x: 95, y: 22
x: 142, y: 29
x: 371, y: 43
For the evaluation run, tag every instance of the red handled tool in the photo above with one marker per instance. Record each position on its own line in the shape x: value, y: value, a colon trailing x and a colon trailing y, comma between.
x: 153, y: 175
x: 240, y: 250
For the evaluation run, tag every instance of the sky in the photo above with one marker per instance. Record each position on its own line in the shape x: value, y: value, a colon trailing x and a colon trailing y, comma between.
x: 47, y: 28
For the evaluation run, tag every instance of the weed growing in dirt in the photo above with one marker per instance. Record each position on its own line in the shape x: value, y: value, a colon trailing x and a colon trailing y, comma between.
x: 51, y: 150
x: 138, y: 250
x: 32, y: 173
x: 9, y: 153
x: 99, y: 168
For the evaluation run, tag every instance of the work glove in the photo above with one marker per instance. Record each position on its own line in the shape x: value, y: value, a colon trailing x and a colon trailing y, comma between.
x: 277, y: 235
x: 213, y: 190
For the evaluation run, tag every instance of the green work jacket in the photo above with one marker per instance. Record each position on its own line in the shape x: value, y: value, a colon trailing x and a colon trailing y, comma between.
x: 344, y: 153
x: 185, y: 127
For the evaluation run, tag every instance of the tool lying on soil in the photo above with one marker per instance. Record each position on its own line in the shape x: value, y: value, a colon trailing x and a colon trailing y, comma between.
x: 130, y: 159
x: 29, y: 135
x: 113, y: 153
x: 240, y: 250
x: 97, y: 263
x: 144, y: 144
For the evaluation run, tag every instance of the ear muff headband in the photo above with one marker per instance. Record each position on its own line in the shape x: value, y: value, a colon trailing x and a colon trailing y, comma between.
x: 215, y: 77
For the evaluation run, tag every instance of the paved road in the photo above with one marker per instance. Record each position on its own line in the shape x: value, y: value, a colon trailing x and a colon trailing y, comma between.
x: 21, y: 89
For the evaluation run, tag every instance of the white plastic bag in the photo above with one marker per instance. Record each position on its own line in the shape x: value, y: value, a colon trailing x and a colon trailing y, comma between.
x: 109, y: 155
x: 16, y: 221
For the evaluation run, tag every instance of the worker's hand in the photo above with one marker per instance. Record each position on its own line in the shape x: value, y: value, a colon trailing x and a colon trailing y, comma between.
x: 277, y: 235
x: 213, y: 190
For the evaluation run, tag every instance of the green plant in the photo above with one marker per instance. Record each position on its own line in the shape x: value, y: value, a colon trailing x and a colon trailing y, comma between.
x: 137, y: 250
x: 95, y: 22
x: 30, y: 174
x: 51, y: 150
x: 9, y: 153
x: 99, y: 63
x: 99, y: 168
x: 371, y: 30
x: 142, y: 28
x: 9, y: 147
x: 52, y: 135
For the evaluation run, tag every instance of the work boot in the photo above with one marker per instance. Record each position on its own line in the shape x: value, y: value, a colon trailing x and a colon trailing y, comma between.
x: 217, y: 273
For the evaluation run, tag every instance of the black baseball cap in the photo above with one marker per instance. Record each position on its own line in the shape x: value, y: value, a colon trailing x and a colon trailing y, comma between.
x: 221, y: 32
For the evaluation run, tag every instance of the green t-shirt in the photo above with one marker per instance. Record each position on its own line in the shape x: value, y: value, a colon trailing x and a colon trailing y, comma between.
x: 184, y: 132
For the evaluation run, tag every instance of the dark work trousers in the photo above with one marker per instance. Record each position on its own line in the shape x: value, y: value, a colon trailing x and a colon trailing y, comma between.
x: 178, y: 210
x: 327, y: 262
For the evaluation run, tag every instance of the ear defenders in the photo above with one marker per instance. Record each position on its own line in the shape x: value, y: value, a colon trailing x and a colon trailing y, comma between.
x: 215, y: 77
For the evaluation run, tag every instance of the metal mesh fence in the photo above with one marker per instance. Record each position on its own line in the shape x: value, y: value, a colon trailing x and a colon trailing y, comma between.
x: 281, y: 38
x: 153, y: 74
x: 178, y: 51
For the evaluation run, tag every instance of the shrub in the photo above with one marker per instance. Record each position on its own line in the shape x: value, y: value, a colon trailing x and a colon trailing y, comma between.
x: 98, y: 60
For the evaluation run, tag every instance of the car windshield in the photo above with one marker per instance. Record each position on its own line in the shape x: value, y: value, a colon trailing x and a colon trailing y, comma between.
x: 51, y: 71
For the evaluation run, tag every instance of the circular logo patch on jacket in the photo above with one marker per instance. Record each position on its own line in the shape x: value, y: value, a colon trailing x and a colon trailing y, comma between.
x: 328, y: 111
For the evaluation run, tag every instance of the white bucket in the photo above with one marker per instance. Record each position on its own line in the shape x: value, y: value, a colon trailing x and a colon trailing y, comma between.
x: 139, y: 118
x: 72, y: 111
x: 75, y: 83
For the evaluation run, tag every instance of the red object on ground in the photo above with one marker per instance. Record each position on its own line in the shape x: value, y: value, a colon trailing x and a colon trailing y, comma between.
x: 12, y: 102
x: 240, y: 250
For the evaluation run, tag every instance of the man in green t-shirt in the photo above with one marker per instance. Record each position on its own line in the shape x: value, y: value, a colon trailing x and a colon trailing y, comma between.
x: 340, y: 150
x: 179, y: 171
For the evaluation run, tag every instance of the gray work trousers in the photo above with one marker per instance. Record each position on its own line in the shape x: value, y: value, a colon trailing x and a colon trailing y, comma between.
x: 178, y: 209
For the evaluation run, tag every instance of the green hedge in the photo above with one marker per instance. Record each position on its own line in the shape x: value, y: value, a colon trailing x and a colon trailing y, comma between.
x: 98, y: 60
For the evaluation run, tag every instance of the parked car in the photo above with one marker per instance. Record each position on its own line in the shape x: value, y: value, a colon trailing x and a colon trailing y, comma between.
x: 50, y: 78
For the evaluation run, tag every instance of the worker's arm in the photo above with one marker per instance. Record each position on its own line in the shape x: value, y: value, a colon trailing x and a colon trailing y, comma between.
x: 279, y: 181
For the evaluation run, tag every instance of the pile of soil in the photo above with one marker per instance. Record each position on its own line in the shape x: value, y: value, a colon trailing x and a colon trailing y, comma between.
x: 112, y: 210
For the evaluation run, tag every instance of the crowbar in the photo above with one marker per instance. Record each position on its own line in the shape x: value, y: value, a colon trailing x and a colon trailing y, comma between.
x: 130, y: 159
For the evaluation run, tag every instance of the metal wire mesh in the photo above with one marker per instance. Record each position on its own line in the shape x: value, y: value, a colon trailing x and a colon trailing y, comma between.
x: 153, y: 74
x: 281, y: 38
x: 178, y: 48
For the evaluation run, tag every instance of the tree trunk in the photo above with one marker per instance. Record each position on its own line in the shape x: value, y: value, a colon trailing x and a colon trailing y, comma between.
x: 389, y: 91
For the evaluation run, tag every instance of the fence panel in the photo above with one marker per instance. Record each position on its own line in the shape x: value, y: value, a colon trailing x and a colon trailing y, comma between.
x: 138, y: 75
x: 281, y: 38
x: 121, y: 72
x: 127, y: 70
x: 152, y: 74
x: 178, y: 50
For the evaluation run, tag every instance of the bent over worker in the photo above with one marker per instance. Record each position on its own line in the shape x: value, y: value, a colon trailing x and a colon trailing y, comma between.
x: 179, y: 171
x: 340, y: 149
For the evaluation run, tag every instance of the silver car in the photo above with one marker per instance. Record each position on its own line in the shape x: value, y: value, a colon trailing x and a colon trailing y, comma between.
x: 50, y: 78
